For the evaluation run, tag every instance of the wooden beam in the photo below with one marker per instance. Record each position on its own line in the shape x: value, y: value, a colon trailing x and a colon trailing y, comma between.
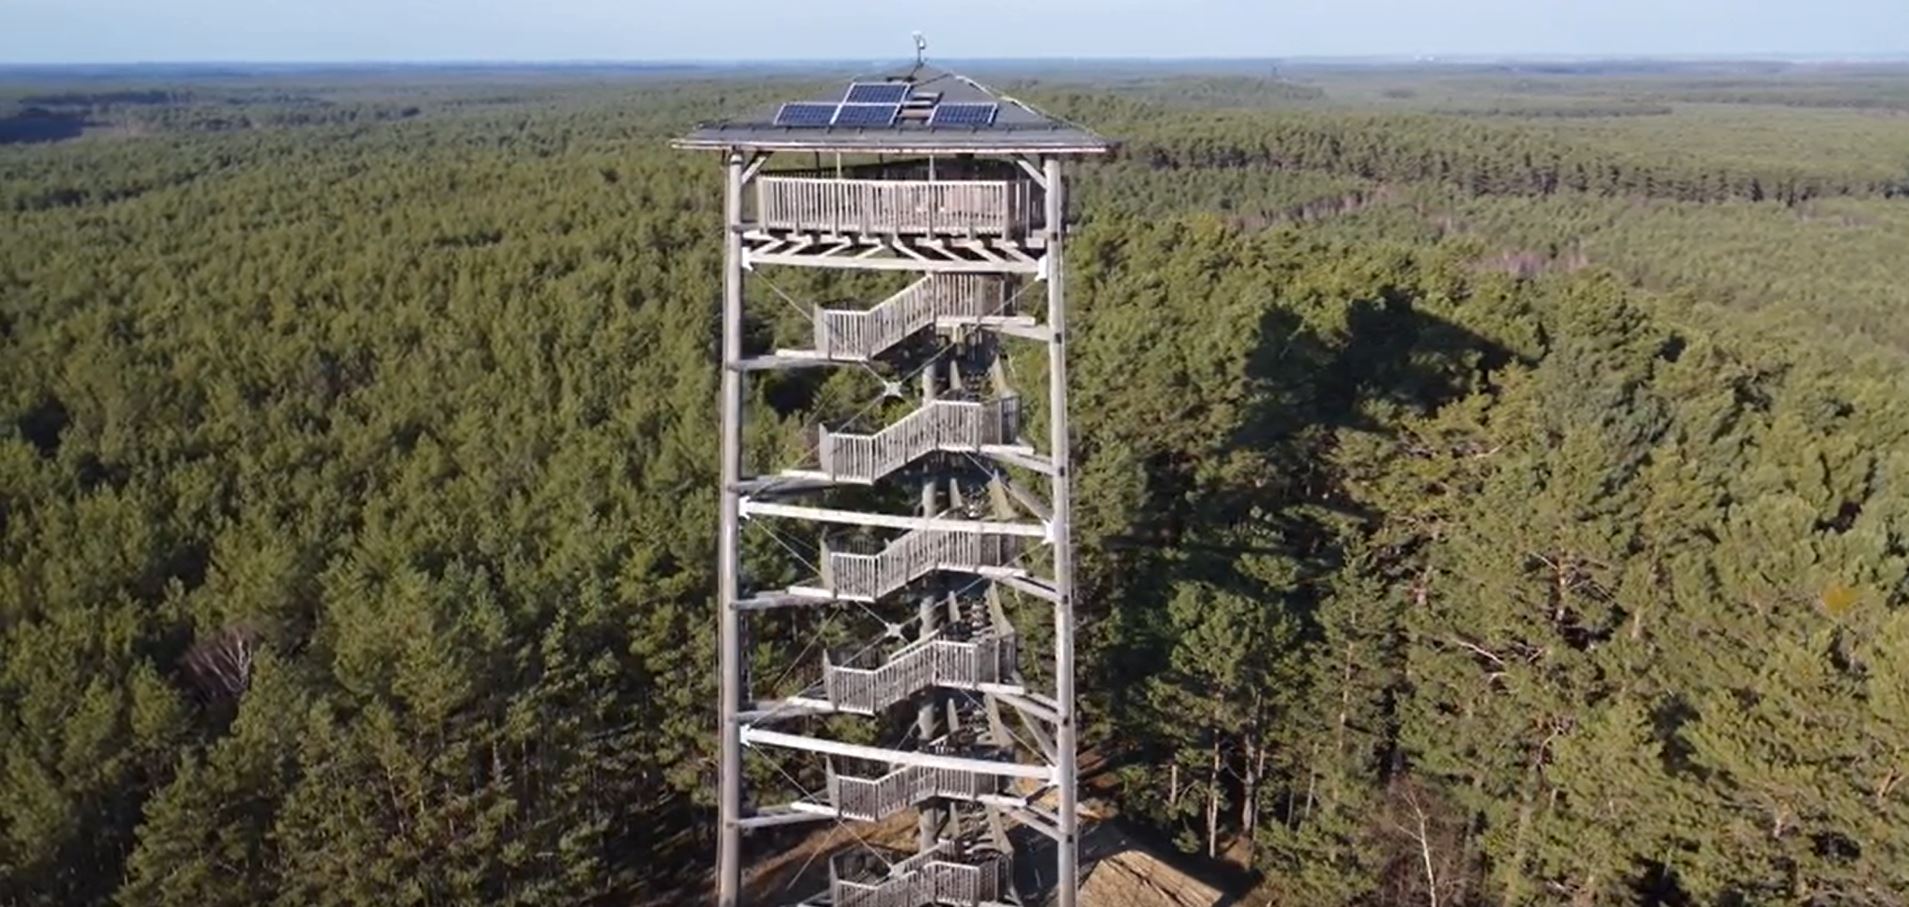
x: 789, y: 814
x: 890, y: 264
x: 1027, y: 499
x: 755, y: 508
x: 1004, y: 323
x: 1028, y: 706
x: 1031, y: 817
x: 785, y: 709
x: 1011, y: 455
x: 759, y: 737
x: 755, y: 166
x: 1035, y: 332
x: 1031, y: 586
x: 1033, y: 170
x: 789, y: 481
x: 770, y: 363
x: 791, y: 598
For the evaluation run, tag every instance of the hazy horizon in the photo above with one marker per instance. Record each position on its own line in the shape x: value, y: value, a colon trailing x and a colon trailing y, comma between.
x: 119, y: 32
x: 797, y: 62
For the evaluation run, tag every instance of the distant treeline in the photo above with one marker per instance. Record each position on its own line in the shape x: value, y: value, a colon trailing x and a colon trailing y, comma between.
x: 1479, y: 157
x: 1567, y: 111
x: 98, y: 98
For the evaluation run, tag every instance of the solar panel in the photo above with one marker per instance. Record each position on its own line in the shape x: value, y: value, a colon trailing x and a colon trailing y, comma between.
x: 963, y: 115
x: 799, y: 114
x: 867, y: 115
x: 876, y: 93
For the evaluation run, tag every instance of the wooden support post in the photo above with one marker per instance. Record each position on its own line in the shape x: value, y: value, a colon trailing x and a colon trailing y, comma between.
x: 728, y: 547
x: 927, y: 716
x: 1067, y: 843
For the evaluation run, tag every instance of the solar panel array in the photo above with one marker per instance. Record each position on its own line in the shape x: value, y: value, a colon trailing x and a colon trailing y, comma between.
x: 964, y: 114
x: 877, y: 105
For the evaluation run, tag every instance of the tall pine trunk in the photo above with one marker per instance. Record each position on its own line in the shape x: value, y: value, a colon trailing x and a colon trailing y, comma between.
x: 1213, y: 802
x: 1255, y: 771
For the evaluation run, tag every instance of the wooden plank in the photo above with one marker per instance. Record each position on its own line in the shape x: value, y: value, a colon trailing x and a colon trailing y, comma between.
x: 1031, y: 586
x: 752, y: 508
x: 760, y: 737
x: 1015, y: 455
x: 788, y: 814
x: 892, y: 264
x: 793, y: 598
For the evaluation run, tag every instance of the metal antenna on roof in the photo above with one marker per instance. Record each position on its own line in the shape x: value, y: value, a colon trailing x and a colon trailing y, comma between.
x: 921, y: 49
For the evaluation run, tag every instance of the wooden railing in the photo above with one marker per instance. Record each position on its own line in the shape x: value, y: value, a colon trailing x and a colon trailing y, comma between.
x: 871, y: 799
x: 991, y: 208
x: 951, y: 425
x: 865, y: 333
x: 868, y: 577
x: 868, y: 686
x: 943, y: 875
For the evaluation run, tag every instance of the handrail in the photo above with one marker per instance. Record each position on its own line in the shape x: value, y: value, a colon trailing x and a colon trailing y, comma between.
x: 934, y: 660
x: 871, y: 799
x: 950, y: 425
x: 992, y: 208
x: 943, y: 874
x: 865, y: 333
x: 868, y: 577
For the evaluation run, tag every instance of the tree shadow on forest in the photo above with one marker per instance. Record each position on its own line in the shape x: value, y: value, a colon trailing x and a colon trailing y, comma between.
x: 38, y: 124
x: 1386, y: 358
x: 1309, y: 386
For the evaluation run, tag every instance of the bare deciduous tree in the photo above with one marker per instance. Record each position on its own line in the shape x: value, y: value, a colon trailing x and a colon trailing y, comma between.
x: 1424, y: 838
x: 220, y: 665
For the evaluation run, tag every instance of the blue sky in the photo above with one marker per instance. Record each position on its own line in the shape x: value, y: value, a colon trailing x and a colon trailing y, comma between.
x: 45, y: 31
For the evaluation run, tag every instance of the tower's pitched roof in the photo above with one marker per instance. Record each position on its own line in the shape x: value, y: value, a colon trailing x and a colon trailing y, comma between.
x: 1013, y: 126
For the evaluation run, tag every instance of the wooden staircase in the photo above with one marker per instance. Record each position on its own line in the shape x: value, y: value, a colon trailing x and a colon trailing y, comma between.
x: 946, y: 874
x: 872, y: 792
x: 856, y: 335
x: 867, y: 577
x: 938, y: 425
x: 872, y: 684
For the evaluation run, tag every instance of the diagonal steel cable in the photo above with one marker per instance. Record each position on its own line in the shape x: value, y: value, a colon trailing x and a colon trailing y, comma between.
x: 773, y: 483
x: 786, y: 709
x: 778, y: 539
x: 799, y: 310
x: 839, y: 821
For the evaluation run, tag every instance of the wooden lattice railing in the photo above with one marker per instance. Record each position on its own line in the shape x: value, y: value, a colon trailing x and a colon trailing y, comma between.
x: 868, y: 577
x: 950, y: 425
x: 946, y: 874
x: 872, y: 797
x: 872, y: 683
x: 857, y: 334
x: 982, y: 208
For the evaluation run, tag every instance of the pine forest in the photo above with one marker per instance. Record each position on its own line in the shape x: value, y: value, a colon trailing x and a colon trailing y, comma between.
x: 1493, y: 480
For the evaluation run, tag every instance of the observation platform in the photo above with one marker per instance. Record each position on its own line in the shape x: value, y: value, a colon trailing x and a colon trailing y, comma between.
x: 970, y: 208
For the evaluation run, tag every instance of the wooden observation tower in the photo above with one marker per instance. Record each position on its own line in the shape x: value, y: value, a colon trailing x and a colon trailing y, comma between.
x: 941, y: 529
